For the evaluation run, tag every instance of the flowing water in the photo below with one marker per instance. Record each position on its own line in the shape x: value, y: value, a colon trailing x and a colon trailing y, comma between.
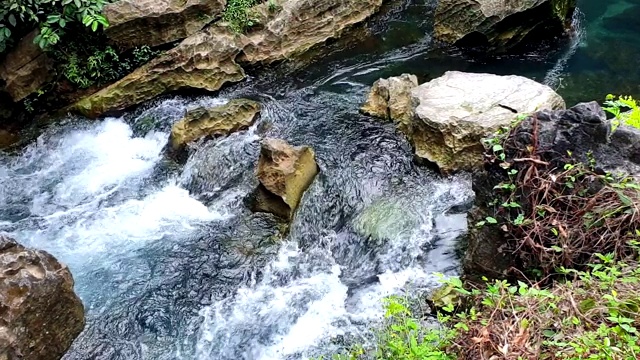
x: 169, y: 262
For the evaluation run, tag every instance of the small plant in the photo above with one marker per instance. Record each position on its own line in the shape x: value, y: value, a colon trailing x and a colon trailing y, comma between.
x: 624, y: 109
x: 238, y: 15
x: 273, y: 6
x: 403, y: 337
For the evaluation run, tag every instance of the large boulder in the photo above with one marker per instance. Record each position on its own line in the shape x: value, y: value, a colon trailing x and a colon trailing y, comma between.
x: 40, y: 315
x: 500, y: 24
x: 161, y: 21
x: 450, y: 115
x: 585, y: 133
x: 236, y: 115
x: 25, y: 69
x: 285, y: 172
x: 212, y: 57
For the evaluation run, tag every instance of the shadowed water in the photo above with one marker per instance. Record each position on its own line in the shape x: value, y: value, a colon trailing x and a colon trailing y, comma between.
x: 169, y: 262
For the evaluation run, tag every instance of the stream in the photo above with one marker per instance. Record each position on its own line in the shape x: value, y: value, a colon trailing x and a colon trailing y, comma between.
x: 170, y: 263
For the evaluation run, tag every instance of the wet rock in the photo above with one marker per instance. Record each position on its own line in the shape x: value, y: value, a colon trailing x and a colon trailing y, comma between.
x: 161, y: 21
x: 391, y: 99
x: 7, y: 139
x: 501, y: 25
x: 25, y: 69
x: 40, y: 315
x: 285, y: 172
x: 236, y: 115
x: 447, y: 118
x: 581, y: 129
x: 210, y: 58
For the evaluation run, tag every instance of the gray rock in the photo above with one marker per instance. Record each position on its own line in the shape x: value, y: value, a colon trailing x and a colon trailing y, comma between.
x: 454, y: 112
x: 579, y: 130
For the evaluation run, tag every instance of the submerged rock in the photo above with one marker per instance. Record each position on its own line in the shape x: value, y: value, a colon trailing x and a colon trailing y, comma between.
x: 40, y: 315
x: 211, y: 57
x: 500, y: 24
x: 237, y: 114
x: 451, y: 114
x: 161, y: 21
x: 285, y: 172
x: 25, y: 69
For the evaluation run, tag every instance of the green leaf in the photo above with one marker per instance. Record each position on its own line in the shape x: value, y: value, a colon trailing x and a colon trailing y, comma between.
x: 12, y: 20
x: 94, y: 26
x: 491, y: 220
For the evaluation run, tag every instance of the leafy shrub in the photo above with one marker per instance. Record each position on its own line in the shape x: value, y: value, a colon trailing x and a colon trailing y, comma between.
x: 403, y: 337
x: 593, y: 315
x: 87, y: 61
x: 624, y: 109
x: 52, y: 17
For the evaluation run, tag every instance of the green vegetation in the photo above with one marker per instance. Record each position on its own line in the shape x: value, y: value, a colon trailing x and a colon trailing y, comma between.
x: 574, y: 231
x: 87, y: 61
x: 624, y: 109
x: 53, y: 17
x: 238, y: 14
x: 592, y: 314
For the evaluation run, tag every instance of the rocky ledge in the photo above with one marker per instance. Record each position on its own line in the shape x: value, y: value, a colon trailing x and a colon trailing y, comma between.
x: 216, y: 55
x: 40, y: 315
x: 501, y: 25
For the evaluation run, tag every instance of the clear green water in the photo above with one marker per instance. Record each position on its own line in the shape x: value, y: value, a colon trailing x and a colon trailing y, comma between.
x: 603, y: 57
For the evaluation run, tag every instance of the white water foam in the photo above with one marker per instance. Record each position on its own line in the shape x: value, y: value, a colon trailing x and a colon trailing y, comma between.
x: 89, y: 194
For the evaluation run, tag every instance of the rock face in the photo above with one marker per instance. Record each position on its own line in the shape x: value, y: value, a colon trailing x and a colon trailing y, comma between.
x: 391, y: 99
x: 212, y: 57
x: 449, y: 116
x: 204, y: 61
x: 161, y: 21
x: 285, y: 172
x: 581, y: 129
x: 501, y: 24
x: 25, y: 69
x: 301, y: 25
x: 40, y: 315
x: 237, y: 114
